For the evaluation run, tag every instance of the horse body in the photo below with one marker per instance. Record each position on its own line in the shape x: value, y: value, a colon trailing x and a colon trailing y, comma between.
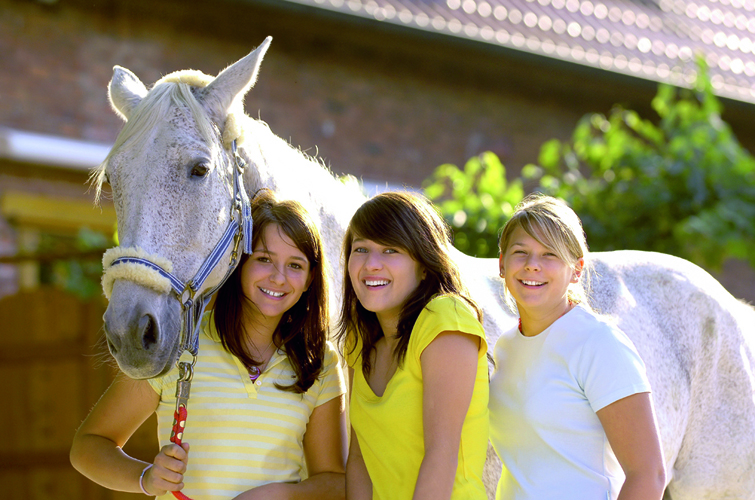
x: 696, y: 340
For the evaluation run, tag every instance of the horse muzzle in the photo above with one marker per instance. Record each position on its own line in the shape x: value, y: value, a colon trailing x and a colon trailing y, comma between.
x: 142, y: 328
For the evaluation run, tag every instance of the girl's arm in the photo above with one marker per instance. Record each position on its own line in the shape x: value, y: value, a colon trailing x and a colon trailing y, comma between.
x: 632, y: 432
x: 358, y: 482
x: 325, y: 452
x: 96, y: 451
x: 449, y: 369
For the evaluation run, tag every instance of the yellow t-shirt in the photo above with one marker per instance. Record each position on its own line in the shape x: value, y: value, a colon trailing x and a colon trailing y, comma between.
x: 390, y: 428
x: 242, y: 434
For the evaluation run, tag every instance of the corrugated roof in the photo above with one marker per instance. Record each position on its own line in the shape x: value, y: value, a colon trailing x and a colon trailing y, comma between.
x: 652, y: 39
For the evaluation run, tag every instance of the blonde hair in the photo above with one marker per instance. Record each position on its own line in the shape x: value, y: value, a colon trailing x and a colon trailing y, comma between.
x: 553, y: 224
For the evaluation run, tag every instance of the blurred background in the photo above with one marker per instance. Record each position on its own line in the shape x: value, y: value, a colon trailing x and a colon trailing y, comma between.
x: 638, y: 112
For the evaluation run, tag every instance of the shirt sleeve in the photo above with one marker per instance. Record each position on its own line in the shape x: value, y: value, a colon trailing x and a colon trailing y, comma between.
x: 446, y: 314
x: 611, y: 369
x: 333, y: 382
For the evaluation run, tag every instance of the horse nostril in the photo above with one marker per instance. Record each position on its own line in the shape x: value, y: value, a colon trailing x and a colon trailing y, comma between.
x: 148, y: 330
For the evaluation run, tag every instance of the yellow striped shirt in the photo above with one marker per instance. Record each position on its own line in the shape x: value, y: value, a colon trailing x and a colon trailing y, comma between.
x: 242, y: 434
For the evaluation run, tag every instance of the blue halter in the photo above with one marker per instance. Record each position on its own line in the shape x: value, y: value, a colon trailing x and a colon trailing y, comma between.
x: 239, y: 229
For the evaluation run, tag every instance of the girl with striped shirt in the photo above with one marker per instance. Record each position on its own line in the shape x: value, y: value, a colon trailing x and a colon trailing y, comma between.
x: 267, y: 409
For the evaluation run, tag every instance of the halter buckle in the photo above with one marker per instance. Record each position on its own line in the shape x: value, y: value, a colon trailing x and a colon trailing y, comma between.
x: 187, y: 296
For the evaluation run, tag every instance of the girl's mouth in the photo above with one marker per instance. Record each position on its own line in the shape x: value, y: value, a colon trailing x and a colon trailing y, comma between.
x: 532, y: 283
x: 271, y: 293
x: 374, y: 283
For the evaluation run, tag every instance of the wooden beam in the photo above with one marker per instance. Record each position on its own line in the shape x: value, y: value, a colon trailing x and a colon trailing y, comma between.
x: 25, y: 209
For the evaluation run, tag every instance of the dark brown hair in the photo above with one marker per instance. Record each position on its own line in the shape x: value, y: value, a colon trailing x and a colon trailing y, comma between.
x: 410, y: 222
x: 302, y: 331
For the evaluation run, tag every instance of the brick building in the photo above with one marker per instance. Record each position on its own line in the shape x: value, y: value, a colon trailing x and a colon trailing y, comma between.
x: 377, y: 90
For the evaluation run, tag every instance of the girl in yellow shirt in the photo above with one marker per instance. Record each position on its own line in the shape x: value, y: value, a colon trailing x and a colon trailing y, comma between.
x: 267, y: 409
x: 417, y: 355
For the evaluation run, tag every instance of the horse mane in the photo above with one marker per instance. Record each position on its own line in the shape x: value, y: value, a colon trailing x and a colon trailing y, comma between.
x: 175, y: 89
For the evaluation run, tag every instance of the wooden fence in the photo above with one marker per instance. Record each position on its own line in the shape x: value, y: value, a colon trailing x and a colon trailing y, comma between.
x: 53, y: 368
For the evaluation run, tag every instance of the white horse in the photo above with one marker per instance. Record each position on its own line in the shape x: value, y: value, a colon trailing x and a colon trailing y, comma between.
x: 169, y: 171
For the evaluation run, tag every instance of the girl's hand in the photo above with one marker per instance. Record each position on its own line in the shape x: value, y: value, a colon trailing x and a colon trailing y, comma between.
x: 167, y: 471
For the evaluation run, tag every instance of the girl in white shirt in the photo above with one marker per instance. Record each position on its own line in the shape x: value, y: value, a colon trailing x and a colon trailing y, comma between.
x: 571, y: 415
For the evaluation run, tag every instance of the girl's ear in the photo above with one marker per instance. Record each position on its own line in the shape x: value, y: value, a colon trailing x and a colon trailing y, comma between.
x: 500, y: 265
x: 578, y: 268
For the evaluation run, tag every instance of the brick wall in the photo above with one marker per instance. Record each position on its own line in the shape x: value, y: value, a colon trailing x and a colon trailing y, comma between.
x: 382, y: 105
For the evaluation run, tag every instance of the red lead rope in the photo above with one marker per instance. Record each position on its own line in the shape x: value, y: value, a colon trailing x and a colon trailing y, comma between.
x: 176, y: 435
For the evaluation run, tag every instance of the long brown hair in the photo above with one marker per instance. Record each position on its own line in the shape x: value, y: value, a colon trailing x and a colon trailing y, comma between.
x: 410, y: 222
x: 302, y: 331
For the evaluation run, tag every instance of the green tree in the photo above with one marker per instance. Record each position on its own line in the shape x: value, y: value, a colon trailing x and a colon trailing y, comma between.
x: 79, y: 275
x: 684, y: 186
x: 476, y: 201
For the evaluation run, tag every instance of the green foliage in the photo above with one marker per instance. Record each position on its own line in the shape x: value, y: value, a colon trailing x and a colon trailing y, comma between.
x: 78, y: 275
x: 684, y: 187
x: 476, y: 201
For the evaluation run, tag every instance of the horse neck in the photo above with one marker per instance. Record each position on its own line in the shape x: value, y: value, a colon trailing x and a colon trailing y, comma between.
x: 291, y: 174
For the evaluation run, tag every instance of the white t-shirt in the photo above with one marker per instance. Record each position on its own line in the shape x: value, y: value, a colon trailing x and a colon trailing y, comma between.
x: 544, y: 394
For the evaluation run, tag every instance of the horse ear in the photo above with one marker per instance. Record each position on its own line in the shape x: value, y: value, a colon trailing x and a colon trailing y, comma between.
x: 231, y: 84
x: 125, y: 92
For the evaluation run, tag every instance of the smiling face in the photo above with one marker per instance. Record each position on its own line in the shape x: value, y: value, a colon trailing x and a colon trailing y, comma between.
x: 383, y: 277
x: 276, y: 274
x: 535, y: 276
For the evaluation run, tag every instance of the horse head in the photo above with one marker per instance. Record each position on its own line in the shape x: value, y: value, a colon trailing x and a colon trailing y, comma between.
x: 171, y: 175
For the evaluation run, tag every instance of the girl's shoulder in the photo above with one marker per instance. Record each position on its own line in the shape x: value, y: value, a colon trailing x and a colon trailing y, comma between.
x: 445, y: 313
x: 590, y: 325
x: 448, y: 305
x: 597, y: 338
x: 331, y: 355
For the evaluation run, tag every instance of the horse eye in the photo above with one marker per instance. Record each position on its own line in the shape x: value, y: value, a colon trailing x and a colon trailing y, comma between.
x: 200, y: 170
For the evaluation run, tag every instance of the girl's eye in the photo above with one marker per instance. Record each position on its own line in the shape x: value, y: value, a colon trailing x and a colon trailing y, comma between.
x: 263, y: 259
x: 390, y: 250
x: 295, y: 266
x: 360, y: 250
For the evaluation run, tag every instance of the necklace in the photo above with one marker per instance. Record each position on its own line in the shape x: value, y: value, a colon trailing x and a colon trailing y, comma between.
x: 567, y: 310
x: 255, y: 371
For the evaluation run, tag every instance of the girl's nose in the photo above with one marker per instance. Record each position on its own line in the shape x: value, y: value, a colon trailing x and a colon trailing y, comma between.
x: 373, y: 261
x: 532, y: 264
x: 277, y: 276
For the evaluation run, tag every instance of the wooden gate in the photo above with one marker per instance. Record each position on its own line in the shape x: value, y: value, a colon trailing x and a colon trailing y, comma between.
x: 53, y: 368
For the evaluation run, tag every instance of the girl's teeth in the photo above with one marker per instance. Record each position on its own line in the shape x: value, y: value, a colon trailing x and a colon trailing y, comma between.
x: 532, y: 283
x: 376, y: 282
x: 271, y: 293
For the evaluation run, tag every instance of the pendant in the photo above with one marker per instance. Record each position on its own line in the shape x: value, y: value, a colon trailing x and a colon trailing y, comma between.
x: 254, y: 373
